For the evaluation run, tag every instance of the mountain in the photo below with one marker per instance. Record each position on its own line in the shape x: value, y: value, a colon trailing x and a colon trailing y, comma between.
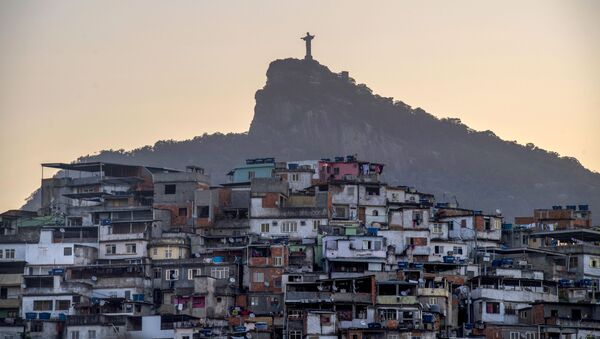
x: 305, y: 111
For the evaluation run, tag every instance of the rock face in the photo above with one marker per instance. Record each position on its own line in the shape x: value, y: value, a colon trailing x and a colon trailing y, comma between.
x: 305, y: 111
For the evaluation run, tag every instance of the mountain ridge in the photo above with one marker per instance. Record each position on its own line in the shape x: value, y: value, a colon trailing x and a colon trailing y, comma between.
x: 306, y: 111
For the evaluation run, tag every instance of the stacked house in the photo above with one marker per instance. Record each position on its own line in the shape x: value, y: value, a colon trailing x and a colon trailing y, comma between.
x: 297, y: 250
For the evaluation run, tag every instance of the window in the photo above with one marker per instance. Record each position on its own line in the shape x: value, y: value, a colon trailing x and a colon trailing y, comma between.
x: 3, y: 293
x: 297, y: 334
x: 438, y: 249
x: 437, y: 228
x: 289, y: 227
x: 155, y: 251
x: 463, y: 223
x: 450, y: 225
x: 457, y: 250
x: 131, y: 248
x: 183, y: 211
x: 264, y: 228
x: 375, y: 213
x: 372, y: 190
x: 157, y: 273
x: 203, y: 211
x: 393, y: 336
x: 254, y: 301
x: 340, y: 212
x: 371, y: 245
x: 37, y: 326
x: 91, y: 334
x: 198, y: 302
x: 170, y: 189
x: 75, y: 335
x: 1, y: 254
x: 172, y: 274
x: 433, y: 301
x: 388, y: 314
x: 492, y: 308
x: 251, y: 175
x: 350, y: 190
x: 594, y: 262
x: 42, y: 305
x: 10, y: 253
x: 168, y: 253
x: 573, y: 262
x: 530, y: 335
x: 219, y: 272
x: 258, y: 277
x: 192, y: 272
x: 295, y: 177
x: 111, y: 249
x: 277, y: 261
x: 62, y: 305
x: 316, y: 224
x: 68, y: 251
x: 554, y: 313
x: 514, y: 335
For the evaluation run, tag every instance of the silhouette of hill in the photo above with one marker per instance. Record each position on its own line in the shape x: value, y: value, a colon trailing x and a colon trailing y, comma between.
x: 305, y: 111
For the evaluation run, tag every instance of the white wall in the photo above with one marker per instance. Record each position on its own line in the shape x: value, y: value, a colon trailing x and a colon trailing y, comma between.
x: 141, y: 249
x: 306, y: 231
x: 19, y: 252
x: 102, y: 331
x: 358, y: 249
x: 27, y: 304
x: 151, y: 329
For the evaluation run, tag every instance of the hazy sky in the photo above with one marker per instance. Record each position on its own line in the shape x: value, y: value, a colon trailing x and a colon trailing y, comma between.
x: 77, y: 77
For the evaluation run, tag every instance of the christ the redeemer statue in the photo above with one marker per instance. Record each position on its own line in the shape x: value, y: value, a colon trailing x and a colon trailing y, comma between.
x: 308, y: 38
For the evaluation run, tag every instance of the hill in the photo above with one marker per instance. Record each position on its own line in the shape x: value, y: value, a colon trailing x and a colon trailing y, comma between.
x: 306, y: 111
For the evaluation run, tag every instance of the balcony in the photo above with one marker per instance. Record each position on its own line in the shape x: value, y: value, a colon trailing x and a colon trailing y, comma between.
x: 10, y: 279
x: 516, y: 295
x: 308, y: 297
x: 433, y: 292
x: 396, y: 299
x: 10, y: 303
x: 94, y: 319
x: 421, y: 250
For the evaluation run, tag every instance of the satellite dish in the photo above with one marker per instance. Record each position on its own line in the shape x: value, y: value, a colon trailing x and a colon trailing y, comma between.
x: 62, y: 230
x: 364, y: 323
x: 94, y: 278
x: 180, y: 307
x: 232, y: 280
x: 252, y: 315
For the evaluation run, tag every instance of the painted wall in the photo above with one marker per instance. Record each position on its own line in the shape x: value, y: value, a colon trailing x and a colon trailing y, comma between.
x: 241, y: 174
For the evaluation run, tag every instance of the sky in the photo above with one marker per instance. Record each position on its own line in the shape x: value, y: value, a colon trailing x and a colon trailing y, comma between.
x: 77, y: 77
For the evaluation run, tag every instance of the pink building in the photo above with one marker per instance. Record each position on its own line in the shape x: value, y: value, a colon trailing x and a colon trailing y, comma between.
x: 347, y: 169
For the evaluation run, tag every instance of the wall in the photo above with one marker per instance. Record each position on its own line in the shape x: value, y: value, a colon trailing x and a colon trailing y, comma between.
x: 304, y: 231
x: 121, y: 249
x: 27, y: 304
x: 19, y: 252
x: 151, y: 329
x: 102, y: 331
x: 240, y: 174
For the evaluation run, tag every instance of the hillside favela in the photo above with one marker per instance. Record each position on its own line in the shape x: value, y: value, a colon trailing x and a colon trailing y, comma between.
x: 341, y: 214
x: 314, y: 248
